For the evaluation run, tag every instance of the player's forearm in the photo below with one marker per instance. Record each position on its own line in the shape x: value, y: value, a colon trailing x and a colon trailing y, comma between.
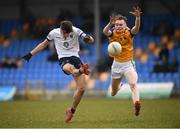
x: 107, y: 28
x: 39, y: 48
x: 135, y: 29
x: 137, y: 22
x: 87, y: 38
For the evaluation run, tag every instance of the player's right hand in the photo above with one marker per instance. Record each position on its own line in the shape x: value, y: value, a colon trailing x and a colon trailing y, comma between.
x: 27, y: 57
x: 112, y: 19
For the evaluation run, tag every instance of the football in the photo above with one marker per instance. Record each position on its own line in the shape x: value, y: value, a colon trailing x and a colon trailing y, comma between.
x: 114, y: 48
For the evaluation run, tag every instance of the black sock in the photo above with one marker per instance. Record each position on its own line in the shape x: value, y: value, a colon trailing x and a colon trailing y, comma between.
x: 73, y: 110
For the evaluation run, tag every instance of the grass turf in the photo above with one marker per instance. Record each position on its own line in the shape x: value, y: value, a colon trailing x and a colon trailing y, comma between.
x: 92, y: 113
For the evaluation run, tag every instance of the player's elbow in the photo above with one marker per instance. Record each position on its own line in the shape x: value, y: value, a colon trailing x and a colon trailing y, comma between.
x: 104, y: 31
x: 135, y: 31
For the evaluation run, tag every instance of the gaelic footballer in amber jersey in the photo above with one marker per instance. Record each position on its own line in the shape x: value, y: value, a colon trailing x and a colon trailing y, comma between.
x: 123, y: 66
x: 126, y: 40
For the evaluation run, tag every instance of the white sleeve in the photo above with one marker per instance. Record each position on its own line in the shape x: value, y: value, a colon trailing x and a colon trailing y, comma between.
x: 80, y: 33
x: 50, y: 36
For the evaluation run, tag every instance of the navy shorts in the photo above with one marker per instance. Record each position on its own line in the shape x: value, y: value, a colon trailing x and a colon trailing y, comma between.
x: 73, y: 60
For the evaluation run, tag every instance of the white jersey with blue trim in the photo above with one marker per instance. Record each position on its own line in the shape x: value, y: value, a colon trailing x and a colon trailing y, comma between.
x: 66, y: 47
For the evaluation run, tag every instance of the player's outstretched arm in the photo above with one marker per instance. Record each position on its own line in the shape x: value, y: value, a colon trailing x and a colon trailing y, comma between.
x: 37, y: 49
x: 137, y: 13
x: 88, y: 38
x: 107, y: 28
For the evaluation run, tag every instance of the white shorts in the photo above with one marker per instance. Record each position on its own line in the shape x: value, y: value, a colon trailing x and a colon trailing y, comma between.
x: 118, y: 70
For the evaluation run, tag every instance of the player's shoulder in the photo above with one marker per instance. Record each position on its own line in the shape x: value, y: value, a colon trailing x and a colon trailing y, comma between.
x: 55, y: 30
x: 76, y: 29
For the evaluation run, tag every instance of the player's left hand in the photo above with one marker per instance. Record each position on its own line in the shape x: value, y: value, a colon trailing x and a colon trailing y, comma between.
x: 137, y: 11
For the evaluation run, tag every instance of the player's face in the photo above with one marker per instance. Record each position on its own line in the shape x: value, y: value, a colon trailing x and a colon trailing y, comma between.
x: 120, y: 26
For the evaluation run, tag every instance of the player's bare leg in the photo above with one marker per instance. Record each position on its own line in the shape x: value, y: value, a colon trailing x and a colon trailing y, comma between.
x: 132, y: 80
x: 79, y: 77
x: 80, y: 81
x: 115, y: 86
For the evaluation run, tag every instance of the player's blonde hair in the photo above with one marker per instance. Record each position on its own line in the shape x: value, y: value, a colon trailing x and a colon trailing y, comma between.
x: 121, y: 17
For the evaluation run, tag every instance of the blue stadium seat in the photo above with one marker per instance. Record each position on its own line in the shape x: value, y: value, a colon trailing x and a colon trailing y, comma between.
x: 40, y: 68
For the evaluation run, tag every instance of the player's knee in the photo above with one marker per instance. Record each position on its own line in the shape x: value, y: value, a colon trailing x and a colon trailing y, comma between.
x: 67, y: 68
x: 81, y: 89
x: 132, y: 85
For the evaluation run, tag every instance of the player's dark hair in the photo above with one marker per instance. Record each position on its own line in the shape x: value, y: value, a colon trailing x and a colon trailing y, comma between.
x: 121, y: 17
x: 66, y: 26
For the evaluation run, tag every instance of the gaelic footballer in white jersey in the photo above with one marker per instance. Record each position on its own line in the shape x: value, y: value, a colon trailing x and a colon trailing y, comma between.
x: 66, y: 40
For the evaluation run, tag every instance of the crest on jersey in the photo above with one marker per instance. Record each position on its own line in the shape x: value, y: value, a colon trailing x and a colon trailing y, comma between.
x: 66, y: 44
x: 71, y: 35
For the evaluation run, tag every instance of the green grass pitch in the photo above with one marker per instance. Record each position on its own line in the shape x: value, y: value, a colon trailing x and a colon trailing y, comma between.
x: 92, y: 113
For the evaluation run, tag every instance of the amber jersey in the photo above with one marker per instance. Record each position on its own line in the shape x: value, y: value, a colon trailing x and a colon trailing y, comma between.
x: 126, y: 41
